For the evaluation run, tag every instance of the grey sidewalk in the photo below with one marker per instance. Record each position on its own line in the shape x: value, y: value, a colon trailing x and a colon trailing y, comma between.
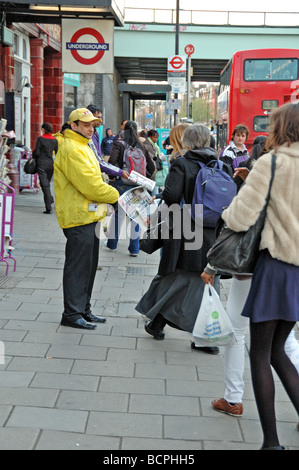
x: 114, y: 388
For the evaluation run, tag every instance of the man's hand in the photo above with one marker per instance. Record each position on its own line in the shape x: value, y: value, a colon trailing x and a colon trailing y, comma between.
x: 125, y: 175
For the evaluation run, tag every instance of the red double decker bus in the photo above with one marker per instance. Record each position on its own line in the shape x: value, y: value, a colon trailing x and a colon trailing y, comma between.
x: 252, y: 84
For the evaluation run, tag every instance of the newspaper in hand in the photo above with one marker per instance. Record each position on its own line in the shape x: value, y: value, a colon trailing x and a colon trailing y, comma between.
x: 136, y: 204
x: 141, y: 180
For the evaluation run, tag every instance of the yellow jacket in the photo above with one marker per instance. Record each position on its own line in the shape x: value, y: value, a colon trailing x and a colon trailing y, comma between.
x: 59, y: 137
x: 78, y: 182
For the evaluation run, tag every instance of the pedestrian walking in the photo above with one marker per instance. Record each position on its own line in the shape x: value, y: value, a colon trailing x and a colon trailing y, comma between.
x: 131, y: 139
x: 81, y: 197
x: 175, y: 294
x: 273, y: 300
x: 107, y: 143
x: 45, y: 148
x: 118, y: 136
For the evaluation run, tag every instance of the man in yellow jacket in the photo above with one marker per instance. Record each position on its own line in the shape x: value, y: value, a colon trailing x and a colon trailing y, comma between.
x: 81, y: 198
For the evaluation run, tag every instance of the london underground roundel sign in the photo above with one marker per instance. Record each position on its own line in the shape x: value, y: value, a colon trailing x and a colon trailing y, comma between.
x: 176, y: 63
x: 75, y: 46
x: 87, y: 46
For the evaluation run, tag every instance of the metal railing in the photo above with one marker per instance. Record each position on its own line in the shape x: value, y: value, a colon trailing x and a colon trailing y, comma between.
x: 209, y: 17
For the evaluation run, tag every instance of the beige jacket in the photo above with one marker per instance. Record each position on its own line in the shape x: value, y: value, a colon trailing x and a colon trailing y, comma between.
x: 281, y: 231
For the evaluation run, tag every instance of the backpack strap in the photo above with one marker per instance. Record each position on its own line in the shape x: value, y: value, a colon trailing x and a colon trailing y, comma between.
x: 216, y: 163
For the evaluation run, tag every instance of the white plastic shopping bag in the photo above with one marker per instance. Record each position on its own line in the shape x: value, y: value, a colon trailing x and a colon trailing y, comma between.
x: 212, y: 326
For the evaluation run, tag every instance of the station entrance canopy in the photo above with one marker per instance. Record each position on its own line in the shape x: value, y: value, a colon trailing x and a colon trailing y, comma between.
x: 43, y: 11
x: 133, y: 92
x: 145, y: 92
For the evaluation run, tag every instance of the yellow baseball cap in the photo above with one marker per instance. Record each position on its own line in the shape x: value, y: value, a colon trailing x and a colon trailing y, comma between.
x: 82, y: 114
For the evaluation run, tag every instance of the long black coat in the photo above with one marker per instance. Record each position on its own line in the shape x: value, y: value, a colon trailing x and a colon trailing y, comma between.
x: 180, y: 183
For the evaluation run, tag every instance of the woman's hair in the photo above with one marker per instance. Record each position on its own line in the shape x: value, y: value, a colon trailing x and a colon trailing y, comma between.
x: 196, y: 136
x: 130, y: 135
x: 175, y: 137
x: 143, y: 133
x: 284, y: 126
x: 93, y: 109
x: 240, y: 128
x: 47, y: 128
x: 152, y: 133
x: 258, y: 146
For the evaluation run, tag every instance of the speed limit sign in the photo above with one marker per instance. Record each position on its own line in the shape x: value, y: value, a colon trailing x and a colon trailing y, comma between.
x: 189, y: 49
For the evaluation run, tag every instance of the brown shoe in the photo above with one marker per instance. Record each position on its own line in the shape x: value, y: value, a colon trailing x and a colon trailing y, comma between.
x: 224, y: 407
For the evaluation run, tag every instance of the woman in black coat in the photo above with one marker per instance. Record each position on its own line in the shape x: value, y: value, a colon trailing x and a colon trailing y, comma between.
x: 175, y: 294
x: 46, y: 147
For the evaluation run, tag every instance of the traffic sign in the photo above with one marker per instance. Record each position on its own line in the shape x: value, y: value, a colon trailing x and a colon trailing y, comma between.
x: 176, y: 63
x: 189, y: 49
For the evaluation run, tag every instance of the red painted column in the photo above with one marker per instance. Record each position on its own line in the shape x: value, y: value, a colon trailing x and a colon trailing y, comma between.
x: 6, y: 71
x: 53, y: 90
x: 37, y: 80
x: 7, y: 67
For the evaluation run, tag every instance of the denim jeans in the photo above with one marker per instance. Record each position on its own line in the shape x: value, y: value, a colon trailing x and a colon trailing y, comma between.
x: 117, y: 219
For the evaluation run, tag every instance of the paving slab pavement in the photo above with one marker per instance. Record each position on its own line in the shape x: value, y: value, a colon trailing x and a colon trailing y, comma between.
x: 113, y: 388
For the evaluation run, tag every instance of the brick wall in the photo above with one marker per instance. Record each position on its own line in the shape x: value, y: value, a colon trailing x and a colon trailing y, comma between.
x: 37, y: 80
x: 53, y: 90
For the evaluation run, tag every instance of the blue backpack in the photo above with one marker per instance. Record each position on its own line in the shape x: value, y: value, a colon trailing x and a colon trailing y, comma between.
x: 214, y: 189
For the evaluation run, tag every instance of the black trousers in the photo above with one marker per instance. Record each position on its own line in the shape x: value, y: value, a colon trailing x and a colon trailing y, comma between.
x: 45, y: 174
x: 81, y: 261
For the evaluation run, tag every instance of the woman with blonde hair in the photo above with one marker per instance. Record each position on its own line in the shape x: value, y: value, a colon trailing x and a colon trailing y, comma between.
x: 175, y: 138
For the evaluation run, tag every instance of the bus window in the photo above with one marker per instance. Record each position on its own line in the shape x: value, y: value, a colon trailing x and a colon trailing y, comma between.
x: 260, y: 123
x: 269, y: 104
x: 270, y: 69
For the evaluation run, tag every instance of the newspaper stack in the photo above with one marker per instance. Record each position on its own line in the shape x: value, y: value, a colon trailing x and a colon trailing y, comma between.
x: 136, y: 204
x: 3, y: 150
x: 141, y: 180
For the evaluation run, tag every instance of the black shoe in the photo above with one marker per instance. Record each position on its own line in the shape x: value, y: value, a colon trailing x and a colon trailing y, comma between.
x: 206, y: 349
x: 273, y: 448
x: 157, y: 334
x: 89, y: 317
x: 79, y: 323
x: 47, y: 212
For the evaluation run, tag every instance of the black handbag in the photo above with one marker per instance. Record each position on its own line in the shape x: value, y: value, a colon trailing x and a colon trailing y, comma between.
x: 30, y: 166
x: 158, y: 163
x: 237, y: 252
x: 152, y: 239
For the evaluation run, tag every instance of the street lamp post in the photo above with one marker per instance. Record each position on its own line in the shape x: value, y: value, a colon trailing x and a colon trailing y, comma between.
x: 176, y: 48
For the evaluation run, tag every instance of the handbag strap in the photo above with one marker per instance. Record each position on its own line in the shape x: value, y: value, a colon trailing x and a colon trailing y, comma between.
x: 273, y: 167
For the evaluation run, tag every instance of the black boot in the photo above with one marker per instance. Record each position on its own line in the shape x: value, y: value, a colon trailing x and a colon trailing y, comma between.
x: 155, y: 327
x: 159, y: 322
